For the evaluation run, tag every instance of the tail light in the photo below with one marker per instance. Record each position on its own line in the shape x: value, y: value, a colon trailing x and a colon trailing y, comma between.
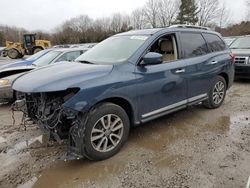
x: 232, y: 56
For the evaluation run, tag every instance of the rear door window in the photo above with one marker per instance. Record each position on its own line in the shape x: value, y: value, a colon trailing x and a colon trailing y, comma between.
x: 70, y: 56
x: 193, y: 45
x: 214, y: 42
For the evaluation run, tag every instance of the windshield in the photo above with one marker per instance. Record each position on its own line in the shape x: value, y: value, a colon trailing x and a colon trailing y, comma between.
x: 36, y: 55
x: 229, y: 41
x: 113, y: 50
x: 241, y: 43
x: 47, y: 58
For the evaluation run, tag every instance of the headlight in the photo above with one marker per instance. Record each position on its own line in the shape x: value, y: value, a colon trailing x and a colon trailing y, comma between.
x: 4, y: 82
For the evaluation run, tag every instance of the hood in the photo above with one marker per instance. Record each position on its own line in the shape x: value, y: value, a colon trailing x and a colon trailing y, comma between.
x: 241, y: 52
x: 16, y: 64
x: 15, y: 70
x: 59, y: 77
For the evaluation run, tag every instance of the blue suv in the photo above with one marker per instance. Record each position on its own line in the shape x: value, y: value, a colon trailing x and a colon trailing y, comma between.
x: 126, y: 80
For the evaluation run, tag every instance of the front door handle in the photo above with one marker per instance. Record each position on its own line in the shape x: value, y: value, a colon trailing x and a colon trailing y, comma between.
x: 180, y: 71
x: 213, y: 62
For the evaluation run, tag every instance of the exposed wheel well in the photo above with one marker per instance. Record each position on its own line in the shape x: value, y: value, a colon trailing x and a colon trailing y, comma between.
x: 225, y: 76
x: 124, y: 104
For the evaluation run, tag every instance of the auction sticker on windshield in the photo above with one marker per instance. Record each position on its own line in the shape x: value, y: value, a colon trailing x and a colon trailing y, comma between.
x: 139, y: 37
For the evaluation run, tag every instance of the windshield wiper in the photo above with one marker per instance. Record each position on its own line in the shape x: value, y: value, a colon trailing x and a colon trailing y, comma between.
x: 86, y: 62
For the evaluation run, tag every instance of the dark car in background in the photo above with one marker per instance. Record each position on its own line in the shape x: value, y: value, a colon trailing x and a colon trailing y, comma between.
x: 128, y: 79
x: 8, y: 75
x: 241, y: 49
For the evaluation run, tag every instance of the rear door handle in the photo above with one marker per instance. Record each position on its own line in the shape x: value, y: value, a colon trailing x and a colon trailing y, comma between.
x: 180, y: 71
x: 213, y: 62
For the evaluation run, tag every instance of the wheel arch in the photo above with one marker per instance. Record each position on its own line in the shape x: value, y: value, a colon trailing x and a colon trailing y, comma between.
x: 226, y: 77
x: 125, y: 104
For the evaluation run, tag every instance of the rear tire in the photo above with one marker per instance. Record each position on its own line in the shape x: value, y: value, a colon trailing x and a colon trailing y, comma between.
x: 216, y: 94
x: 21, y: 55
x: 4, y: 53
x: 106, y: 131
x: 13, y: 53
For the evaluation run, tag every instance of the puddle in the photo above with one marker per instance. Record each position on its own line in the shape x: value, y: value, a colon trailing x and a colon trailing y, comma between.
x: 153, y: 137
x: 66, y: 173
x: 13, y: 155
x: 147, y: 138
x: 157, y: 136
x: 28, y: 184
x: 220, y: 125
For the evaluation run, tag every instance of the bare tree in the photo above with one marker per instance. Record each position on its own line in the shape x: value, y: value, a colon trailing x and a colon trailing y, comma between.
x: 101, y: 29
x: 81, y: 23
x: 224, y: 16
x: 103, y: 24
x: 167, y: 11
x: 248, y: 10
x: 126, y: 23
x: 151, y: 12
x: 138, y: 18
x: 14, y: 34
x: 119, y: 22
x: 208, y: 11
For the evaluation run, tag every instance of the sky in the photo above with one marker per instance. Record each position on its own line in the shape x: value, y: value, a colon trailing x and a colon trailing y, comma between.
x: 47, y: 14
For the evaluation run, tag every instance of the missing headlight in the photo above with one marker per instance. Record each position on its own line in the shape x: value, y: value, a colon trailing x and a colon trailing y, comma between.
x: 47, y: 111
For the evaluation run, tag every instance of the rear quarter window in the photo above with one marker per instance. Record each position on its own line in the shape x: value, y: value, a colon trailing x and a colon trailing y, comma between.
x: 193, y: 45
x: 215, y: 43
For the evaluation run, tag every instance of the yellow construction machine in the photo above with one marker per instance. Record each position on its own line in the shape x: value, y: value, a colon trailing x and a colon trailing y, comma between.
x: 29, y: 46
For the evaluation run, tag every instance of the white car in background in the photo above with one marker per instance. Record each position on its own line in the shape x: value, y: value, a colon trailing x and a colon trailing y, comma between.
x: 8, y: 75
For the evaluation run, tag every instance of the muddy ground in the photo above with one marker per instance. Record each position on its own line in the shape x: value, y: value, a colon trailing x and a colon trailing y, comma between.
x: 195, y: 147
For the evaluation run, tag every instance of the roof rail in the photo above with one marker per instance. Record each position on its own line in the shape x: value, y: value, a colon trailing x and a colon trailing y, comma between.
x: 189, y: 26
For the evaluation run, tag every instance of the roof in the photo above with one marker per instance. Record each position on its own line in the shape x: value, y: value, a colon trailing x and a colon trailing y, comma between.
x: 142, y: 32
x: 171, y: 28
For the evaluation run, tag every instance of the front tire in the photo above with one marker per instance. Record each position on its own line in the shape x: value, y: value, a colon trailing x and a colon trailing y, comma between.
x: 106, y: 131
x: 216, y: 94
x: 13, y: 53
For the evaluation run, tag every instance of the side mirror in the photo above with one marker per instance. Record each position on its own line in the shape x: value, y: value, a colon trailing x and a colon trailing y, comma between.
x: 152, y: 58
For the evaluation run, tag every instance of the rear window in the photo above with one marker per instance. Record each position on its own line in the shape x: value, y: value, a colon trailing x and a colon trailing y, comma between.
x: 214, y: 42
x: 193, y: 45
x: 241, y: 43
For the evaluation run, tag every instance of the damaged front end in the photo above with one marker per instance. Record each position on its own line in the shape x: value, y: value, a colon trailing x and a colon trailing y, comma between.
x: 61, y: 123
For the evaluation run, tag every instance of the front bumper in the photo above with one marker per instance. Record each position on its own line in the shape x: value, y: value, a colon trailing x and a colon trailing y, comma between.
x: 6, y: 93
x: 242, y: 71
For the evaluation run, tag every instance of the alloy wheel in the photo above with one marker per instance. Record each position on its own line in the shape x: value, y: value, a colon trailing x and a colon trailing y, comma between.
x: 107, y: 133
x: 218, y: 92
